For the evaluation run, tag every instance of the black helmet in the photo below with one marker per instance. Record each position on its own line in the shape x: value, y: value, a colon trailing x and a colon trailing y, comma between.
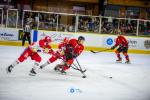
x: 81, y: 38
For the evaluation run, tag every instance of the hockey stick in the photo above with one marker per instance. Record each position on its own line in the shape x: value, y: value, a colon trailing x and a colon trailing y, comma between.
x: 80, y: 69
x: 76, y: 68
x: 99, y: 51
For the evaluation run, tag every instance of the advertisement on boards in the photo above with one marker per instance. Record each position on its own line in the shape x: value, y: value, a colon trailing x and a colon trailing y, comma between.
x: 8, y: 34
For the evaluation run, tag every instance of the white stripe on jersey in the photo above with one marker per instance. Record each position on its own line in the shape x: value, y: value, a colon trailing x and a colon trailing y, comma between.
x: 27, y: 28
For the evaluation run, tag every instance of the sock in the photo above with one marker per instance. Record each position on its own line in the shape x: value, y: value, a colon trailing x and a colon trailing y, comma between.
x: 127, y: 58
x: 36, y: 64
x: 15, y: 63
x: 118, y: 56
x: 45, y: 64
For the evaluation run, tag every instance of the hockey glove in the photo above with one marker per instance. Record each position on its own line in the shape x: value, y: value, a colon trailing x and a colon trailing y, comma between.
x: 62, y: 52
x: 69, y: 47
x: 46, y: 50
x: 75, y: 55
x: 120, y: 45
x: 112, y: 48
x: 38, y: 50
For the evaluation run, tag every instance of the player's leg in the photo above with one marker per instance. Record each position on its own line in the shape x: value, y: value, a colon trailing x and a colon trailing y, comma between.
x: 36, y: 57
x: 24, y: 39
x: 29, y: 37
x: 22, y: 57
x: 61, y: 67
x: 64, y: 66
x: 58, y: 67
x: 10, y: 67
x: 32, y: 71
x: 125, y: 50
x: 51, y: 60
x: 118, y: 54
x: 68, y: 60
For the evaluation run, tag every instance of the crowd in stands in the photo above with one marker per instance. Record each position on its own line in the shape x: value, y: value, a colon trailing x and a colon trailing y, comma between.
x: 88, y: 24
x: 109, y: 25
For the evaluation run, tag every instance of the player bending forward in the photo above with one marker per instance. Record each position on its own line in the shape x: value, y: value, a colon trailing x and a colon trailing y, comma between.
x: 32, y: 50
x: 58, y: 54
x: 71, y: 50
x: 122, y: 42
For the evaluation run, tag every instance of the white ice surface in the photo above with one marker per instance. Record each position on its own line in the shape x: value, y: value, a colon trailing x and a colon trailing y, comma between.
x: 129, y: 81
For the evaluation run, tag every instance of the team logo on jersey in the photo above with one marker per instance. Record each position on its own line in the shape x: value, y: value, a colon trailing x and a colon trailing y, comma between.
x: 147, y: 44
x: 109, y: 41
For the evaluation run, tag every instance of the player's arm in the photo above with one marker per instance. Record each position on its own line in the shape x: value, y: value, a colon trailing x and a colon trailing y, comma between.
x: 48, y: 49
x: 34, y: 47
x: 116, y: 44
x: 78, y: 51
x: 62, y: 46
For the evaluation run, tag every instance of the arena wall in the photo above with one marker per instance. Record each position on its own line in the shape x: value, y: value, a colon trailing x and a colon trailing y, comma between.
x: 12, y: 37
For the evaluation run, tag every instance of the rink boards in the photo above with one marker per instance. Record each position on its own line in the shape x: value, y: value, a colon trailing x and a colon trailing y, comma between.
x: 12, y: 37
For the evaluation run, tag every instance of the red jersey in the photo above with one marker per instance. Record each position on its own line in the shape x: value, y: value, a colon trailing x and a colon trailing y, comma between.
x: 41, y: 45
x: 62, y: 45
x: 77, y: 48
x: 44, y: 44
x: 121, y: 40
x: 32, y: 50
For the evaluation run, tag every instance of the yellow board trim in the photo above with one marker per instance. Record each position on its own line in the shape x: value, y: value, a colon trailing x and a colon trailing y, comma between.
x: 87, y: 48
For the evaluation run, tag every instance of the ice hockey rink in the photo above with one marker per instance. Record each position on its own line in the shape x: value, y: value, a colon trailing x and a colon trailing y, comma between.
x: 128, y: 82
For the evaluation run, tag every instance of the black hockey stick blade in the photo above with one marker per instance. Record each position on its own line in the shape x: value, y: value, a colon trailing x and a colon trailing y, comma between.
x: 82, y: 71
x: 93, y: 51
x: 99, y: 51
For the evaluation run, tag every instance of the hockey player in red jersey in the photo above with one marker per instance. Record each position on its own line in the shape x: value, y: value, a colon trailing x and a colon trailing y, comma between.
x: 32, y: 50
x: 71, y: 50
x: 58, y: 54
x: 122, y: 42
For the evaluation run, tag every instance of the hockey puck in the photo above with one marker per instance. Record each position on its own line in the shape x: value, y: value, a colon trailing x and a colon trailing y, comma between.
x: 110, y: 77
x: 84, y: 76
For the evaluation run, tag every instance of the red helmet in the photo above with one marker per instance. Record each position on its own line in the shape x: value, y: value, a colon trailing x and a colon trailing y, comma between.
x: 47, y: 39
x: 66, y: 40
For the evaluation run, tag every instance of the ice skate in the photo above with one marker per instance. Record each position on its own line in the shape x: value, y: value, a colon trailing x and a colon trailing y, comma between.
x: 57, y: 68
x: 42, y: 66
x: 119, y: 61
x: 32, y: 72
x: 128, y: 62
x: 63, y: 72
x: 9, y: 69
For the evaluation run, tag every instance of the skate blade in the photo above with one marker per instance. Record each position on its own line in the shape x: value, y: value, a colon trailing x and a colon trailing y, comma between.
x: 128, y: 63
x: 118, y: 61
x: 63, y: 73
x: 31, y: 74
x: 56, y: 70
x: 7, y: 71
